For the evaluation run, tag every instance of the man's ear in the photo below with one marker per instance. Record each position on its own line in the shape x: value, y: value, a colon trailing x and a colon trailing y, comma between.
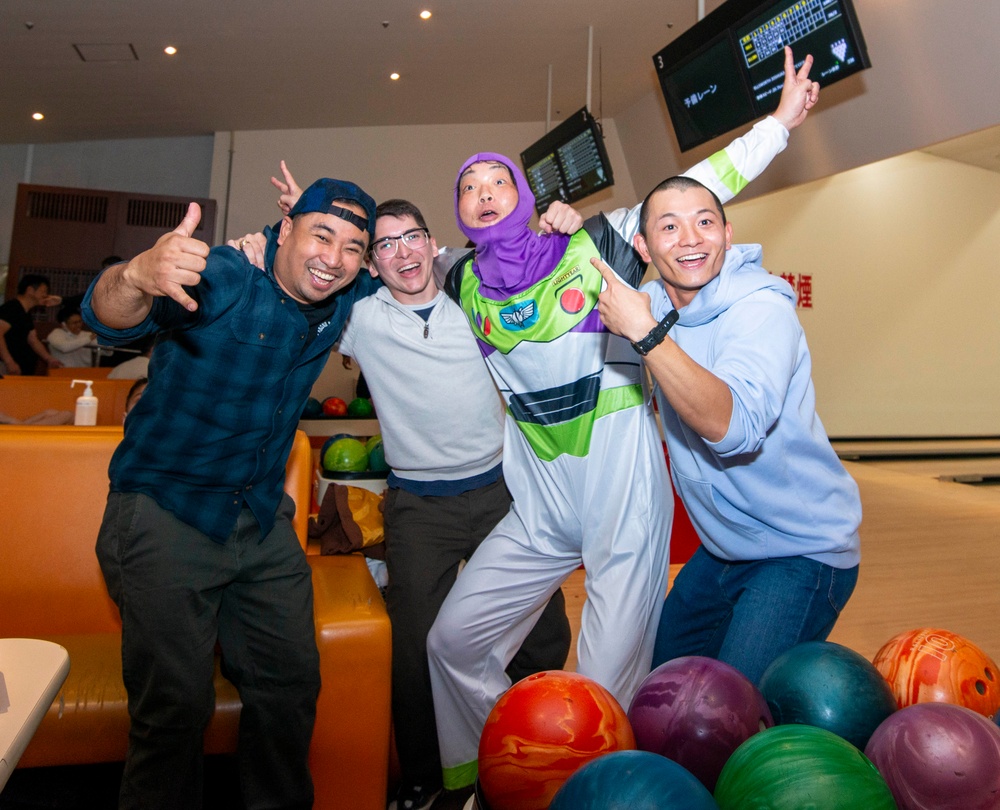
x: 371, y: 269
x: 640, y: 244
x: 434, y: 247
x: 286, y: 228
x: 729, y: 235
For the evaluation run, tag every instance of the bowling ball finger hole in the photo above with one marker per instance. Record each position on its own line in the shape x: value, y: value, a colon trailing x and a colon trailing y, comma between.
x: 981, y: 687
x: 989, y: 673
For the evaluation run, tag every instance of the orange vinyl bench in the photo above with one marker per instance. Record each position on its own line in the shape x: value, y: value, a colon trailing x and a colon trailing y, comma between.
x: 55, y: 485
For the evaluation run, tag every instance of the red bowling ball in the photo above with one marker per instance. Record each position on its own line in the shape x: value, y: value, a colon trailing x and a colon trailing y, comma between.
x: 541, y: 731
x: 696, y: 711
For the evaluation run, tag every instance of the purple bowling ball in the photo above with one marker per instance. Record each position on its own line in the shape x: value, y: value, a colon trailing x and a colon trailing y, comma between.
x: 696, y: 711
x: 938, y: 756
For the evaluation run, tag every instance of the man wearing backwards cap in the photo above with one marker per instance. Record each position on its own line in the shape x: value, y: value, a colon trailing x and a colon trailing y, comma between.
x: 197, y: 545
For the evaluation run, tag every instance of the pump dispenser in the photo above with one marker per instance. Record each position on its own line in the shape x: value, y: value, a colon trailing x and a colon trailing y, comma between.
x: 86, y: 404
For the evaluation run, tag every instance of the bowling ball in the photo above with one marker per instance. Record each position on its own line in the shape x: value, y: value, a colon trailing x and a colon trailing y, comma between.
x: 334, y: 406
x: 376, y: 456
x: 696, y: 711
x: 312, y: 409
x: 329, y: 441
x: 344, y: 455
x: 928, y: 665
x: 796, y: 766
x: 540, y: 731
x: 939, y: 756
x: 632, y: 780
x: 823, y: 684
x: 360, y: 408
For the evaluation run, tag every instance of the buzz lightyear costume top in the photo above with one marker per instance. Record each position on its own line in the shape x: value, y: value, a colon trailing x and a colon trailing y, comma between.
x: 557, y: 366
x: 532, y: 303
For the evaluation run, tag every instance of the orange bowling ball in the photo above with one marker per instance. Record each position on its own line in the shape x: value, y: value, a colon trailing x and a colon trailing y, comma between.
x: 540, y: 732
x: 936, y: 666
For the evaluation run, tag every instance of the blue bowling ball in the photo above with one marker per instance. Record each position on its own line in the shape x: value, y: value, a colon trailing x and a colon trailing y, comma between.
x: 633, y: 780
x: 313, y: 409
x: 819, y: 683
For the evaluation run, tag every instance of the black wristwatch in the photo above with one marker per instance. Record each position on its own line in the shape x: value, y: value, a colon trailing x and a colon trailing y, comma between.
x: 656, y: 334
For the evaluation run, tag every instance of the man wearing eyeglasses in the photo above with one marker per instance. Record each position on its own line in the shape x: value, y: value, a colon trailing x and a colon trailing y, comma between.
x: 442, y: 429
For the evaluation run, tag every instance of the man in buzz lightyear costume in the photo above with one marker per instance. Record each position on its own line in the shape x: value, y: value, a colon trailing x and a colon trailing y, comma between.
x: 583, y: 456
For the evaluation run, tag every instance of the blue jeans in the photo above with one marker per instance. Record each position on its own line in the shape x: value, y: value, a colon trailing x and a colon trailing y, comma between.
x: 748, y: 613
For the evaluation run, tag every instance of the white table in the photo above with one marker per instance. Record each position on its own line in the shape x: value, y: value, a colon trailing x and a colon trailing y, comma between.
x: 31, y: 673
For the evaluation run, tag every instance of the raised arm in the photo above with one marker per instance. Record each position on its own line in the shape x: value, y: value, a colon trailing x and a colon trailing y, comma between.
x: 729, y: 171
x: 290, y: 190
x: 123, y: 294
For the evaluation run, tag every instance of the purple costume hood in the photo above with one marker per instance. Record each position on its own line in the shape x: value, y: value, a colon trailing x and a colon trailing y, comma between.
x: 510, y: 256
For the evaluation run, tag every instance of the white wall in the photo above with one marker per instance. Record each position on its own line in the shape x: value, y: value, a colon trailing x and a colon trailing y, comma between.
x: 417, y: 163
x: 904, y: 256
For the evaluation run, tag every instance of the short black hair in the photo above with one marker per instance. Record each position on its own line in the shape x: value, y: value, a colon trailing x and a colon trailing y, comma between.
x: 32, y: 281
x: 679, y: 182
x: 67, y: 312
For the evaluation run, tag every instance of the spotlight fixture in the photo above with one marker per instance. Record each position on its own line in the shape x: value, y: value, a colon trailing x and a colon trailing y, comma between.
x: 394, y: 76
x: 425, y: 15
x: 170, y: 50
x: 37, y: 116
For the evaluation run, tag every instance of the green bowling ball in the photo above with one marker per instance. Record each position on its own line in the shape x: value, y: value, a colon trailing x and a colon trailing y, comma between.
x: 360, y: 408
x: 344, y: 455
x: 796, y: 766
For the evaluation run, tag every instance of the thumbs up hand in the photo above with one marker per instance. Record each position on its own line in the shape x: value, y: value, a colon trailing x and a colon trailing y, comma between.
x: 175, y: 261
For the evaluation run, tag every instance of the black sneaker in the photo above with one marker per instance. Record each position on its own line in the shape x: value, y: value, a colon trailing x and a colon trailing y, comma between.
x: 414, y: 797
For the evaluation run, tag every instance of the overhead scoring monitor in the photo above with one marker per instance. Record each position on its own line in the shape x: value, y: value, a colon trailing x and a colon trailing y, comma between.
x: 728, y: 69
x: 568, y: 163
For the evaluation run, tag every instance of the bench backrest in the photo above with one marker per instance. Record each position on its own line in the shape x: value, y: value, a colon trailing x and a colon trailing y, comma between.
x: 54, y: 482
x: 22, y: 397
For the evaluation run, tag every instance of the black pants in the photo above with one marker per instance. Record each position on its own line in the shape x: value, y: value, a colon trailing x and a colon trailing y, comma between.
x: 426, y: 540
x: 180, y: 593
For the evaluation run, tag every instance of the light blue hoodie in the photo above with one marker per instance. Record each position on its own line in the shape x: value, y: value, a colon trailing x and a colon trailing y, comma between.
x: 772, y: 486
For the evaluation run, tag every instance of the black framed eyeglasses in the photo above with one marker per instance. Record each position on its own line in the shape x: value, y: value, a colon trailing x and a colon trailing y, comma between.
x: 386, y: 247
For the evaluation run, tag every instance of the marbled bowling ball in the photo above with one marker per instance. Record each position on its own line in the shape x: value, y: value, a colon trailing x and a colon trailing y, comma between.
x: 633, y: 780
x: 696, y: 711
x: 823, y: 684
x: 938, y: 756
x: 541, y: 731
x: 928, y: 665
x: 794, y: 767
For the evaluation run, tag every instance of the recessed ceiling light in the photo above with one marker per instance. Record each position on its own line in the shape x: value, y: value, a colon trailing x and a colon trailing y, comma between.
x: 394, y: 76
x: 37, y: 116
x: 425, y: 15
x: 170, y: 50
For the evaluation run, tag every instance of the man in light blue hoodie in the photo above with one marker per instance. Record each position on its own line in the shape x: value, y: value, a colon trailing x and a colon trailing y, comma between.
x: 776, y: 511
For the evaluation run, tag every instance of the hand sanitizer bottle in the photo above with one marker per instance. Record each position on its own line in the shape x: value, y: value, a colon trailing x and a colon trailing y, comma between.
x: 86, y: 405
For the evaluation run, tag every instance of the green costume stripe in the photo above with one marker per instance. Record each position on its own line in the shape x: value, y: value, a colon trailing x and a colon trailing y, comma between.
x: 460, y: 776
x: 727, y: 173
x: 573, y: 437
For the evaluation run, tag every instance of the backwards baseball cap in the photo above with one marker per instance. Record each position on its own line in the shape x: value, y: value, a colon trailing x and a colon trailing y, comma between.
x: 320, y: 196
